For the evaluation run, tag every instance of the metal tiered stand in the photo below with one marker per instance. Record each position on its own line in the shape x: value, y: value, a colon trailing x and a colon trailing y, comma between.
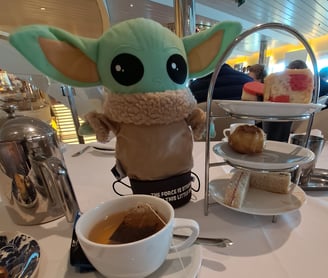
x: 210, y: 117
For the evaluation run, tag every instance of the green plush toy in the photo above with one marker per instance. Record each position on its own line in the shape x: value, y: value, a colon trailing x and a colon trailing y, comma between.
x: 145, y: 68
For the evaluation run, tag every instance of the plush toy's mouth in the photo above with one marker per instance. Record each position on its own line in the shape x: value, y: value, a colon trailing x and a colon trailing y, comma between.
x: 150, y: 108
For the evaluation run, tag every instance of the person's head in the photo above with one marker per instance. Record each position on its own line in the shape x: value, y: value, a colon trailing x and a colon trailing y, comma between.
x: 257, y: 72
x: 297, y: 64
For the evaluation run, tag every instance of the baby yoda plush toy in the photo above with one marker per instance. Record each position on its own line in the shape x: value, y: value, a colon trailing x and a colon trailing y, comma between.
x: 145, y: 69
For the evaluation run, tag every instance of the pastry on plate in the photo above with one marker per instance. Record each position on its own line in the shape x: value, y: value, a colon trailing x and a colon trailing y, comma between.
x: 291, y: 86
x: 253, y: 91
x: 247, y: 139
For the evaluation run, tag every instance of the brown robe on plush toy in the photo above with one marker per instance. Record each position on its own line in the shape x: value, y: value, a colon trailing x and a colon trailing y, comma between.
x: 144, y: 132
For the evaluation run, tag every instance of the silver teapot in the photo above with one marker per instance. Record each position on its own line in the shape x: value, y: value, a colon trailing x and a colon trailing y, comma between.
x: 34, y: 183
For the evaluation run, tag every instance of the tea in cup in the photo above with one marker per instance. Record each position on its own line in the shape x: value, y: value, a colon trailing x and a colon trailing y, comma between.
x: 119, y: 241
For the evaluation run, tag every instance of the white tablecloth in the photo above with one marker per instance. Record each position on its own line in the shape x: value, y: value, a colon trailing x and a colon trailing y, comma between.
x: 295, y: 246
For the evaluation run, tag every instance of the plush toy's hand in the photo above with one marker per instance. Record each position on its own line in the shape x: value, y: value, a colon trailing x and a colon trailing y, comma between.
x: 98, y: 124
x: 197, y: 120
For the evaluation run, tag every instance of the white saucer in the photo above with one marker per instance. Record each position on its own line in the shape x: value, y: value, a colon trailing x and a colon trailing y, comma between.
x: 259, y: 202
x: 185, y: 263
x: 108, y: 148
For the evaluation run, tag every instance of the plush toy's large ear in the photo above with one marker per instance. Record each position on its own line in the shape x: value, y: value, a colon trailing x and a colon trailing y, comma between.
x: 60, y: 55
x: 204, y: 49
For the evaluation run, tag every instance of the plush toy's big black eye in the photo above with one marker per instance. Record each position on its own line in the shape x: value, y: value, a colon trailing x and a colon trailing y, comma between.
x: 177, y: 68
x: 127, y: 69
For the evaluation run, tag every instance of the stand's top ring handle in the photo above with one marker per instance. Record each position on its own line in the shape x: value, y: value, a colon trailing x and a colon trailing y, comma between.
x: 264, y: 26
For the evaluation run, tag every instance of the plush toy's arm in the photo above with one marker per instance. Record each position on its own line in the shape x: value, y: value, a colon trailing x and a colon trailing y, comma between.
x: 197, y: 121
x: 99, y: 124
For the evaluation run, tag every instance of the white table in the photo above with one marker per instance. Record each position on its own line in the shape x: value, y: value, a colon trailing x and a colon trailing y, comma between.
x: 295, y: 246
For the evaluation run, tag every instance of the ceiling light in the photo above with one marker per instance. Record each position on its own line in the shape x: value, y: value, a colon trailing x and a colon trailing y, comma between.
x: 42, y: 9
x: 240, y: 2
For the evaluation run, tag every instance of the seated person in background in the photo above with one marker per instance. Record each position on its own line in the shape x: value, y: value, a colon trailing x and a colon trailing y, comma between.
x: 323, y: 74
x: 297, y: 64
x: 228, y: 85
x: 257, y: 72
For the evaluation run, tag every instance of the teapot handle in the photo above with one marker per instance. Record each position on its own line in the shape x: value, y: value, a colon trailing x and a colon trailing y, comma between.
x: 62, y: 186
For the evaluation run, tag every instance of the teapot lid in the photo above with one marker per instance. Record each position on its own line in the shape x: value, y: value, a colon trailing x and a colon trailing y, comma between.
x: 20, y: 128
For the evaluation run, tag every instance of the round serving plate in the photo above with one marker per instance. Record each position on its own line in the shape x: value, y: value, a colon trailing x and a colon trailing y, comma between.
x: 274, y: 157
x: 260, y: 202
x: 269, y: 110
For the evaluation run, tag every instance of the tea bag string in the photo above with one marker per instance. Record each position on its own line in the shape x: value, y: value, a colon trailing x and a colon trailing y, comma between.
x: 198, y: 182
x: 155, y: 213
x: 121, y: 182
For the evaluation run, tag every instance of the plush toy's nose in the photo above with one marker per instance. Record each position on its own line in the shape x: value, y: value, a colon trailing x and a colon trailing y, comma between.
x: 157, y: 80
x: 158, y: 83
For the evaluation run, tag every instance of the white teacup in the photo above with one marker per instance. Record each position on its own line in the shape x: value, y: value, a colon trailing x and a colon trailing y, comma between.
x: 139, y: 258
x: 231, y: 129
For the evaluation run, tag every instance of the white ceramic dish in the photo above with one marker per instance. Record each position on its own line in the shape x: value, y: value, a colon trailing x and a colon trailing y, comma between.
x: 20, y: 253
x: 185, y: 263
x: 259, y: 202
x: 108, y: 148
x: 275, y: 156
x: 269, y: 109
x: 322, y: 100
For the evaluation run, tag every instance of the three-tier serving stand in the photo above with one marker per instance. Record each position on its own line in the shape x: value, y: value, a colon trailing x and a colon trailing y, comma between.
x: 210, y: 116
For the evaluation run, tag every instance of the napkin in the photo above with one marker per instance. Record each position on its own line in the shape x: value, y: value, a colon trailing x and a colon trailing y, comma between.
x: 77, y: 256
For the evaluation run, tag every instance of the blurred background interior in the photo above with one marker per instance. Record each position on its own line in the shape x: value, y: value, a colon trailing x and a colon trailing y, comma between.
x: 90, y: 18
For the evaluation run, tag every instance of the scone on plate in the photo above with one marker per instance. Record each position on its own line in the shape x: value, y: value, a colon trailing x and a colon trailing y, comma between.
x: 247, y: 139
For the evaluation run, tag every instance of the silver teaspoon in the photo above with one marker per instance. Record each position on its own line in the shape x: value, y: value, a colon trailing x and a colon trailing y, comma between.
x: 81, y: 151
x: 220, y: 242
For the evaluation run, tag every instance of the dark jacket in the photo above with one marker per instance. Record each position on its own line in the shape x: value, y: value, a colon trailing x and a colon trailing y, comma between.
x: 228, y: 85
x: 323, y: 74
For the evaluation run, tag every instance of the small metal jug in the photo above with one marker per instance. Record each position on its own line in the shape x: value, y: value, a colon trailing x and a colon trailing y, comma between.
x: 34, y: 183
